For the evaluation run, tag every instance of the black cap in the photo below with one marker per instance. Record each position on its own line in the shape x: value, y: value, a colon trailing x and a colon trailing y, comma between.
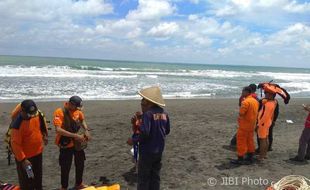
x: 29, y: 107
x: 76, y: 101
x: 247, y: 89
x: 253, y: 87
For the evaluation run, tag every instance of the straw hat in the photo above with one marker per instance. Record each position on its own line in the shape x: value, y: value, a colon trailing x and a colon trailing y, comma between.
x: 153, y: 94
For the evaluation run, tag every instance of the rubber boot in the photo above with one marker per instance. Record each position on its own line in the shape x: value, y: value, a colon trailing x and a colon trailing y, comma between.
x: 239, y: 161
x: 249, y: 158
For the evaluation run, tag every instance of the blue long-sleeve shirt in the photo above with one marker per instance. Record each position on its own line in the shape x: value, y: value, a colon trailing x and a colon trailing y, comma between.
x: 155, y: 126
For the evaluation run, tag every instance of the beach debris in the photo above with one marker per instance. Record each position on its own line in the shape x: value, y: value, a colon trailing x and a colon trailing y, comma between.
x: 289, y: 121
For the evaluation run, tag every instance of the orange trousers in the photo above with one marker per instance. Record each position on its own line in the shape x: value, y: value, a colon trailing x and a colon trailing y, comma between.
x: 245, y: 142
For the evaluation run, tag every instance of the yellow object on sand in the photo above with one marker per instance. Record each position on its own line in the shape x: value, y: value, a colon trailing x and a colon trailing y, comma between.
x: 111, y: 187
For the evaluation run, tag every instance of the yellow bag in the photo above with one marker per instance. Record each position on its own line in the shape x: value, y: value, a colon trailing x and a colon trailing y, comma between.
x: 111, y: 187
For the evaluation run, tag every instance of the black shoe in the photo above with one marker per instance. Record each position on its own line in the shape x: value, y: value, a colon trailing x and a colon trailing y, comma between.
x: 249, y: 159
x: 296, y: 159
x: 307, y: 157
x: 270, y: 149
x: 239, y: 161
x: 257, y: 151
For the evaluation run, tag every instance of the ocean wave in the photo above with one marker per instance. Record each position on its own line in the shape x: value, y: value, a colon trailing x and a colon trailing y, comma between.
x: 95, y: 71
x: 297, y: 77
x: 104, y: 82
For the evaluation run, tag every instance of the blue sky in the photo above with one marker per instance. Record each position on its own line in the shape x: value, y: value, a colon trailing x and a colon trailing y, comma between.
x: 240, y: 32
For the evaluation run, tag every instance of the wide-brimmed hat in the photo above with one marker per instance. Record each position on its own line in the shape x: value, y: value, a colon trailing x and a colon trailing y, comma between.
x: 153, y: 94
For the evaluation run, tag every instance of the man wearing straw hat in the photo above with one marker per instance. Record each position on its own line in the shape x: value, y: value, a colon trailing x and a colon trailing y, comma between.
x: 153, y: 130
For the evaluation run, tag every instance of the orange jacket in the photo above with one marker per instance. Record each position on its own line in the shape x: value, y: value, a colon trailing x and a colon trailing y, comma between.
x: 27, y: 140
x: 248, y: 113
x: 58, y: 121
x: 266, y: 113
x: 16, y: 111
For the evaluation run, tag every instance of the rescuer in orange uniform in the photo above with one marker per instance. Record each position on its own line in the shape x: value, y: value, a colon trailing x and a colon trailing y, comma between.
x: 68, y: 121
x: 245, y: 134
x: 28, y: 137
x: 264, y: 121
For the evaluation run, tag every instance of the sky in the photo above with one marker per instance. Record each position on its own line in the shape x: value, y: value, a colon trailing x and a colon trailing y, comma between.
x: 229, y: 32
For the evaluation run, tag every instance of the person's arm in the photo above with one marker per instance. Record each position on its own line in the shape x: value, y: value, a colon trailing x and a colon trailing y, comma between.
x: 244, y: 108
x: 84, y: 125
x: 145, y: 127
x: 16, y: 144
x: 306, y: 107
x: 87, y: 134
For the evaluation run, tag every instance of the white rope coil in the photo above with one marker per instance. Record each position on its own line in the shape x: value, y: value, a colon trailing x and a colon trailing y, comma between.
x: 292, y: 182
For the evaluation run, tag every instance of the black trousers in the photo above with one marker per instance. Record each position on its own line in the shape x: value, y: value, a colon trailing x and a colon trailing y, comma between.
x: 26, y: 183
x: 149, y: 171
x: 233, y: 141
x: 65, y: 161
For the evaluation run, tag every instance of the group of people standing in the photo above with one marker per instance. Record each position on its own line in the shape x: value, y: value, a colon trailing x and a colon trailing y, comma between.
x: 260, y: 115
x: 254, y: 116
x: 29, y: 136
x: 150, y: 126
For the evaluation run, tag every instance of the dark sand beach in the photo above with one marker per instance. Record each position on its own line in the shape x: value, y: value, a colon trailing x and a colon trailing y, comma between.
x: 195, y: 149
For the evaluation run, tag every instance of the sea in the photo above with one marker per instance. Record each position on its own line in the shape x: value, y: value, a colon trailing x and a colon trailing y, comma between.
x: 50, y: 79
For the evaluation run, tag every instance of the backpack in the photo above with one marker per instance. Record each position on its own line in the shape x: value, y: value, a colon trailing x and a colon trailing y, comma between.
x: 15, y: 124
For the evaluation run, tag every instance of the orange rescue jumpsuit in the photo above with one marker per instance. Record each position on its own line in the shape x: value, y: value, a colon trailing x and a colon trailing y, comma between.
x: 265, y: 117
x: 247, y: 121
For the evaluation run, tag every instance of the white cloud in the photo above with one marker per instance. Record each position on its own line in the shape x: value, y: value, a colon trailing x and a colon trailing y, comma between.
x: 134, y: 33
x: 226, y: 11
x: 91, y: 7
x: 151, y: 10
x: 193, y: 17
x: 305, y: 45
x: 197, y: 39
x: 297, y: 8
x: 76, y: 28
x: 292, y: 35
x: 164, y: 30
x: 139, y: 44
x: 244, y: 4
x: 49, y: 10
x: 119, y: 28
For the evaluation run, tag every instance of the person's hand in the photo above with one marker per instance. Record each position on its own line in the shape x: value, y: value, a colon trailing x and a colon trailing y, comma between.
x: 79, y: 138
x: 129, y: 141
x: 87, y: 135
x: 305, y: 107
x: 133, y: 119
x: 26, y: 163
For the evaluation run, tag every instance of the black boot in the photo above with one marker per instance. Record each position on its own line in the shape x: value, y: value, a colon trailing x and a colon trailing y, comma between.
x: 239, y: 161
x: 297, y: 159
x: 249, y: 159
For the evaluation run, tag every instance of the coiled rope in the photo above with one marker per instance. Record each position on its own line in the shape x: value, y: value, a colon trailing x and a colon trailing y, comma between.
x: 292, y: 182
